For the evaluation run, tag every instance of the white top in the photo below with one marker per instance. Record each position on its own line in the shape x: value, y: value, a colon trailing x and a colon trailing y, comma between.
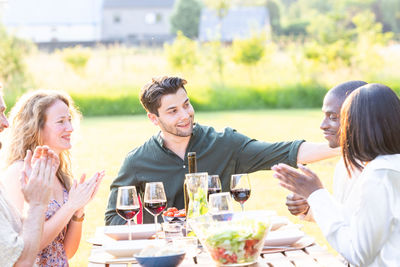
x: 11, y: 243
x: 366, y: 229
x: 342, y: 186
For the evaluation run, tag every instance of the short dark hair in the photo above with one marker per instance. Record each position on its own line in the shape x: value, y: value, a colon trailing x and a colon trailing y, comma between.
x: 370, y: 125
x: 343, y: 90
x: 151, y: 93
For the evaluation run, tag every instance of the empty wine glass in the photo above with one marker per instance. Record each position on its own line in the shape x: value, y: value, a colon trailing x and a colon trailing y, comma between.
x: 240, y: 188
x: 220, y: 206
x: 214, y: 185
x: 127, y: 204
x: 155, y: 200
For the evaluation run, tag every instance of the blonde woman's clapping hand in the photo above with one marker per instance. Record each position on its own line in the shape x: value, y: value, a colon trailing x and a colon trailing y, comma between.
x: 83, y: 192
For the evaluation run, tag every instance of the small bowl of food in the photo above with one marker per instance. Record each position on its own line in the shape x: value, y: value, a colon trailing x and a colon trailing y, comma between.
x: 155, y: 256
x: 174, y: 215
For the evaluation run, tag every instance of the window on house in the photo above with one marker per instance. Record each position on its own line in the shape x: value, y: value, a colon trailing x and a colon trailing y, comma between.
x: 153, y: 18
x: 158, y: 18
x: 117, y: 19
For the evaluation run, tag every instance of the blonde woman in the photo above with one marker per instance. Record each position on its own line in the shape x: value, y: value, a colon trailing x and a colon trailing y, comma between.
x: 44, y: 117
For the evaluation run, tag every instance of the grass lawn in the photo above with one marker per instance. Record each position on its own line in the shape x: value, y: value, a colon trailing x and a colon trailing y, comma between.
x: 103, y: 142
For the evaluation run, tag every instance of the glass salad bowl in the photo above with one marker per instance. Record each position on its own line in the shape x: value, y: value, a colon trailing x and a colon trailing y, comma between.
x: 234, y: 240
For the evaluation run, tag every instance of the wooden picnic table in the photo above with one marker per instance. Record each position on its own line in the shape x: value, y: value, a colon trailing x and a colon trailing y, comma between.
x: 311, y: 256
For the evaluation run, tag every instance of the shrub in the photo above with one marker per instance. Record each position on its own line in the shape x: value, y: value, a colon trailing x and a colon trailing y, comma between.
x: 249, y: 51
x: 182, y: 53
x: 13, y: 72
x: 102, y: 105
x: 76, y: 57
x: 214, y: 98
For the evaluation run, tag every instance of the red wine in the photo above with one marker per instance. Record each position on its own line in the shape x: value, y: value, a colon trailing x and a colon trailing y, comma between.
x: 241, y: 195
x: 155, y: 207
x: 128, y: 212
x: 213, y: 191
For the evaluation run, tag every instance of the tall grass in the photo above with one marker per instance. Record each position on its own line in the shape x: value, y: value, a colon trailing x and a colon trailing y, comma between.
x: 111, y: 81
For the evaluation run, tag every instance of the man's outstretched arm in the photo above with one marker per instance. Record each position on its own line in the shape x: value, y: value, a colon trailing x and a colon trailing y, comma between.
x: 311, y: 152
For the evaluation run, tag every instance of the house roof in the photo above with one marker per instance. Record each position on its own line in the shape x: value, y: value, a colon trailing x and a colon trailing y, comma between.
x: 138, y: 3
x: 54, y: 12
x: 240, y: 22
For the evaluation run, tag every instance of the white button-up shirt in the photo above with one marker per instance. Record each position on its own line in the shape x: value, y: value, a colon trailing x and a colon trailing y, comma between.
x: 365, y: 229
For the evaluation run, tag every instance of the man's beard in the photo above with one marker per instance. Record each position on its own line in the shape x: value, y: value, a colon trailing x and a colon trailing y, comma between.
x: 175, y: 131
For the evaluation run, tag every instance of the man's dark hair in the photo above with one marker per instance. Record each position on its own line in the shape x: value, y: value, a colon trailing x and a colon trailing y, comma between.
x: 343, y: 90
x: 151, y: 93
x: 370, y: 125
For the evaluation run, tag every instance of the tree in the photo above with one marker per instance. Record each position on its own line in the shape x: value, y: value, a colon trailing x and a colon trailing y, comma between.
x: 274, y: 16
x: 220, y: 6
x: 186, y: 17
x: 12, y: 68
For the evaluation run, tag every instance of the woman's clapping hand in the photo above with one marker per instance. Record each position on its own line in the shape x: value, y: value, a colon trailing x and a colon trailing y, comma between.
x: 37, y: 182
x: 83, y: 192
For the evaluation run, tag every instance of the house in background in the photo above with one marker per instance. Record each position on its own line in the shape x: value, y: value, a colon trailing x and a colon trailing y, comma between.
x: 137, y: 21
x: 58, y: 23
x: 54, y: 22
x: 240, y: 22
x: 2, y: 6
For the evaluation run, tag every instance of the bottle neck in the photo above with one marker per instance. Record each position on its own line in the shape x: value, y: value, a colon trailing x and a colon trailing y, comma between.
x: 192, y: 164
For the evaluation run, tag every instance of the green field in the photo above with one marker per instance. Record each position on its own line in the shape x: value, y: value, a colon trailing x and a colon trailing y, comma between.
x: 103, y: 142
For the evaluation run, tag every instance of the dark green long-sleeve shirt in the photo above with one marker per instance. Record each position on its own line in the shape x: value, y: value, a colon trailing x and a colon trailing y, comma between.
x: 223, y: 153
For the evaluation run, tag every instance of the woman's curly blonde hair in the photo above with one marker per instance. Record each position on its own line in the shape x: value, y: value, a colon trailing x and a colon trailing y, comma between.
x: 27, y: 120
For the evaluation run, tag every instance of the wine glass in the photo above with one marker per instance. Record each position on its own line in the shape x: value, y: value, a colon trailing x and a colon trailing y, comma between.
x: 220, y: 206
x: 127, y: 204
x: 240, y: 188
x: 155, y: 200
x: 214, y: 185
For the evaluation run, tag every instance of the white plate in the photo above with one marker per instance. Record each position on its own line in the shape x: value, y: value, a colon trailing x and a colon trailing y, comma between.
x: 127, y: 248
x: 139, y: 231
x: 278, y: 221
x: 283, y: 237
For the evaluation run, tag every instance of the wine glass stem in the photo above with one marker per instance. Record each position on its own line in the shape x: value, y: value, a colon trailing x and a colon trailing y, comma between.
x: 129, y: 230
x: 241, y: 204
x: 155, y: 224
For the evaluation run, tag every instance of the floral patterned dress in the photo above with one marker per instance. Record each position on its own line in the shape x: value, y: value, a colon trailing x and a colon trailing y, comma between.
x: 54, y: 254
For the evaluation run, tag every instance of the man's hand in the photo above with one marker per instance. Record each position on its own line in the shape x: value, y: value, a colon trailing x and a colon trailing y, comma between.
x: 38, y: 186
x: 296, y: 204
x: 302, y: 184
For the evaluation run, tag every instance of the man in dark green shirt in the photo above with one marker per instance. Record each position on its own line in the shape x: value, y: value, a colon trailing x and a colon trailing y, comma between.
x: 164, y: 156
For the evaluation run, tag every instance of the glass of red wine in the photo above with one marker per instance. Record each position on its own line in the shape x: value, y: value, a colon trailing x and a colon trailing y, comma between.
x: 127, y: 204
x: 214, y: 185
x: 240, y: 188
x: 155, y: 200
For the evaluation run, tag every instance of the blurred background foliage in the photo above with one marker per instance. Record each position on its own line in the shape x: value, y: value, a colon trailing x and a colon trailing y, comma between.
x: 309, y: 46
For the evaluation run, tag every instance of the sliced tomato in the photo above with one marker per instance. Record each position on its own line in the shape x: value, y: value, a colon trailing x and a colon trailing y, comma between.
x: 173, y: 209
x: 182, y: 213
x: 169, y: 214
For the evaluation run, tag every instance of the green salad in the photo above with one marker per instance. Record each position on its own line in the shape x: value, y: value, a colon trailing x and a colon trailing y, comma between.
x: 236, y: 242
